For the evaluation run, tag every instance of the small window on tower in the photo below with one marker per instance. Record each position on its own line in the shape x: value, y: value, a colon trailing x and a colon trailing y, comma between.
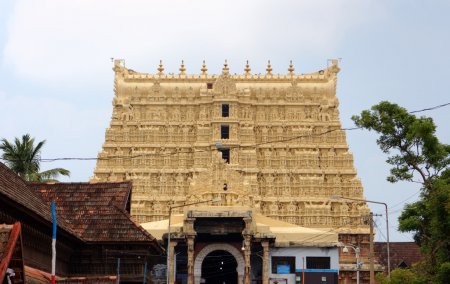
x: 209, y: 86
x: 225, y: 155
x: 225, y: 110
x: 224, y: 132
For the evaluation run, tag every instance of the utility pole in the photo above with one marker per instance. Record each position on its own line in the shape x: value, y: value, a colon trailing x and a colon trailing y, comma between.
x: 371, y: 253
x: 372, y: 272
x: 387, y: 224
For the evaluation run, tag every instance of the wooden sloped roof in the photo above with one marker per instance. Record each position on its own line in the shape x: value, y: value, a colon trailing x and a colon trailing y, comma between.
x: 91, y: 212
x: 86, y: 194
x: 95, y: 211
x: 15, y: 189
x: 407, y: 253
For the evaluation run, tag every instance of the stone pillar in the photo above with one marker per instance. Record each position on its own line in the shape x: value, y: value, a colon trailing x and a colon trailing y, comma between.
x: 265, y: 262
x: 190, y: 256
x: 247, y: 252
x: 247, y: 234
x: 172, y: 246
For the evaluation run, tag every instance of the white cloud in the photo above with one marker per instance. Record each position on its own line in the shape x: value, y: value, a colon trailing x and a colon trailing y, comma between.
x: 56, y: 42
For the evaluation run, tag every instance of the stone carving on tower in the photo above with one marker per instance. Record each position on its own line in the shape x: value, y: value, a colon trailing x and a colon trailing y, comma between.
x: 274, y: 141
x: 220, y: 180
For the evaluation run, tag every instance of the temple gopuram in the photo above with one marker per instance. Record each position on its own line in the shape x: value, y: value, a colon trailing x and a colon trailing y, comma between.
x: 271, y: 147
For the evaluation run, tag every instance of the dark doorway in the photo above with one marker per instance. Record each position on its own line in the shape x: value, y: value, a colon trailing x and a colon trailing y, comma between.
x: 225, y: 110
x: 224, y: 132
x: 225, y: 155
x: 219, y: 267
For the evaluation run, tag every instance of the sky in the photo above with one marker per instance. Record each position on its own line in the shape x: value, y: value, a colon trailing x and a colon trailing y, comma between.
x: 56, y: 79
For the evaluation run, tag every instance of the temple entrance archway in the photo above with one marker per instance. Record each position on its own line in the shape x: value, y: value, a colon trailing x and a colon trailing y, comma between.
x: 209, y: 260
x: 219, y: 267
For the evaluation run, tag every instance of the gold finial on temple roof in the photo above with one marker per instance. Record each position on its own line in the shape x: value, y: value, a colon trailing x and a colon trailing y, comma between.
x: 182, y: 68
x: 204, y: 69
x: 269, y: 68
x: 225, y: 69
x: 291, y: 68
x: 247, y: 69
x: 160, y: 68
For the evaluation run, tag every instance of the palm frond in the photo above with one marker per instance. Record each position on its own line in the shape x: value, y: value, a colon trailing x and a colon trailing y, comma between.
x: 23, y: 158
x: 51, y: 175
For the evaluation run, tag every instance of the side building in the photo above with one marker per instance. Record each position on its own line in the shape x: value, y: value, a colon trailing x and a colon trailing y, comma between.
x: 270, y: 143
x: 94, y: 231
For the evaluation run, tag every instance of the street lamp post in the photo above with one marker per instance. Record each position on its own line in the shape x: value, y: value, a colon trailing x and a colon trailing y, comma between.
x: 218, y: 199
x: 358, y: 259
x: 387, y: 224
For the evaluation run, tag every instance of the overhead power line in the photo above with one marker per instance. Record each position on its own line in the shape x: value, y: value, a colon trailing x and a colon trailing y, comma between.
x: 181, y: 152
x: 431, y: 108
x: 400, y: 203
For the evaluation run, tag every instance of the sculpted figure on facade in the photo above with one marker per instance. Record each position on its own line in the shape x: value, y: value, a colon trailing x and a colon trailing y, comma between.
x: 225, y: 85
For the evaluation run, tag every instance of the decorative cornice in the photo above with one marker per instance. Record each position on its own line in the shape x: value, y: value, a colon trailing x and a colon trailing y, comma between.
x: 325, y: 75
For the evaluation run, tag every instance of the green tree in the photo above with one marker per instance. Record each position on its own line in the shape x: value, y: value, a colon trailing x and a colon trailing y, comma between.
x: 22, y: 157
x: 400, y: 276
x: 416, y: 154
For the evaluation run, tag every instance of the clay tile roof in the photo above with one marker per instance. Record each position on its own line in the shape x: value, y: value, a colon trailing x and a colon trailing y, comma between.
x: 15, y: 188
x: 87, y: 194
x: 92, y: 212
x: 406, y: 252
x: 95, y: 211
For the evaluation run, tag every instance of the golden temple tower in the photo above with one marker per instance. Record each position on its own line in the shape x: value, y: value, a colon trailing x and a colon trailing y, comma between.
x: 272, y: 142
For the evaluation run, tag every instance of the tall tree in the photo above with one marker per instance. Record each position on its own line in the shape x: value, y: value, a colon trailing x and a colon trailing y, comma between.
x: 22, y: 157
x: 416, y: 154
